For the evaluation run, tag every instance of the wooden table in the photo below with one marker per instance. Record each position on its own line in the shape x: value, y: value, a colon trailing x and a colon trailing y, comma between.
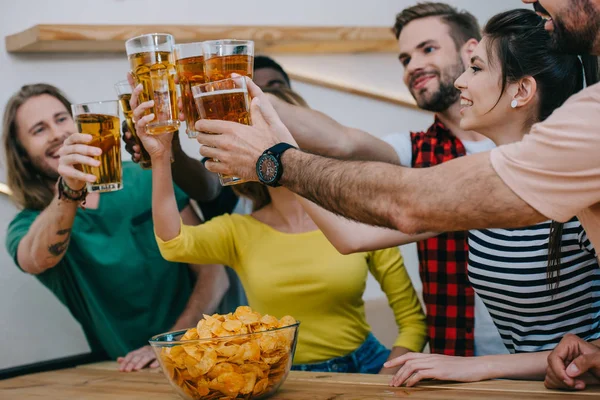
x: 102, y: 381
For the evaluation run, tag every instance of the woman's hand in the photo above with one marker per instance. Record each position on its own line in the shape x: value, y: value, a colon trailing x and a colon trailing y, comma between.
x: 414, y: 367
x: 157, y: 146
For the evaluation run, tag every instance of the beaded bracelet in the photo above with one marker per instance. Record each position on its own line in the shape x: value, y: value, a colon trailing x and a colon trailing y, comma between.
x: 70, y: 194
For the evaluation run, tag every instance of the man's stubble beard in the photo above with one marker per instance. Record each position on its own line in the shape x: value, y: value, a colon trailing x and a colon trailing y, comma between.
x: 447, y: 94
x: 44, y: 170
x: 579, y: 38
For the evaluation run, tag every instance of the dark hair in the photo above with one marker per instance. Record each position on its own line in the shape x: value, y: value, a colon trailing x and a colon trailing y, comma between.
x: 268, y: 62
x: 463, y: 25
x: 257, y: 192
x: 29, y: 188
x: 591, y: 67
x: 519, y: 42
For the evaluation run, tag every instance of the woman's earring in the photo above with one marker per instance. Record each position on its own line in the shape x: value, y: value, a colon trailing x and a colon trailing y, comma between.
x: 514, y: 103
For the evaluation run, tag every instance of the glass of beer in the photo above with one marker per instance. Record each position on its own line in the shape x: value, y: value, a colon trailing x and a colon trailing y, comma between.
x: 223, y: 57
x: 101, y: 120
x: 189, y: 61
x: 124, y: 92
x: 226, y: 100
x: 153, y: 65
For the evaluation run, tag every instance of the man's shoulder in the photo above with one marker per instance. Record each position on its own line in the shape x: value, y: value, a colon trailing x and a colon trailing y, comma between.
x: 26, y: 215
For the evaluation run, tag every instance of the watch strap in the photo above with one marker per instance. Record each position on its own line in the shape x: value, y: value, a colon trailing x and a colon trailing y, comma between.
x: 276, y: 151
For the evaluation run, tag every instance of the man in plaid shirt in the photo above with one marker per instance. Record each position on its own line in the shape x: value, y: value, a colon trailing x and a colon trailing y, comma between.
x: 435, y: 42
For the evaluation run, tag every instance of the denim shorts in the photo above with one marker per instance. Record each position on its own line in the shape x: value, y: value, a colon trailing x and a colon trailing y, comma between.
x: 367, y: 359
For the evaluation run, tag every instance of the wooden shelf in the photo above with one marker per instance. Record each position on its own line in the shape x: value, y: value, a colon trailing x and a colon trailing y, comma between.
x: 4, y: 189
x: 272, y: 39
x: 356, y: 88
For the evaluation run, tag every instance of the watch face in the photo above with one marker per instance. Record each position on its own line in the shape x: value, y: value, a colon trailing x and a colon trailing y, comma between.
x: 267, y: 168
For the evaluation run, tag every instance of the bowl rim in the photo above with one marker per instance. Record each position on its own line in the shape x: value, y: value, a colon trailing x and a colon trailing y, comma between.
x: 154, y: 340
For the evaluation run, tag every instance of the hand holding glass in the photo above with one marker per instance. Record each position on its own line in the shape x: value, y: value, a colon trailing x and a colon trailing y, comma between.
x: 153, y: 65
x: 101, y: 121
x: 226, y: 100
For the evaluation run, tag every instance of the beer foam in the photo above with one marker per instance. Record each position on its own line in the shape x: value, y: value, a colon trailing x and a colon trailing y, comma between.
x: 221, y: 92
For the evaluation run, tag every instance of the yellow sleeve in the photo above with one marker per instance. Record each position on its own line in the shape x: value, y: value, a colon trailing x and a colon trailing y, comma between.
x: 387, y: 266
x: 212, y: 242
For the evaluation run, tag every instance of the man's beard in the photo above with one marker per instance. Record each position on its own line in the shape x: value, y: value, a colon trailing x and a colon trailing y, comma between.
x: 581, y: 37
x: 43, y: 170
x: 447, y: 94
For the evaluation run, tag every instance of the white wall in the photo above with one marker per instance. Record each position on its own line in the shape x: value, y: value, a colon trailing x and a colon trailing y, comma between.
x: 36, y: 325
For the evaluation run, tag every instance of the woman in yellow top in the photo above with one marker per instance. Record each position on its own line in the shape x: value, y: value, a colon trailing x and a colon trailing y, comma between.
x: 287, y: 266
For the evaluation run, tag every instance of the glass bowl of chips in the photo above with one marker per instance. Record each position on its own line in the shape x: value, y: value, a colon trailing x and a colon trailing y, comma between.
x: 242, y: 355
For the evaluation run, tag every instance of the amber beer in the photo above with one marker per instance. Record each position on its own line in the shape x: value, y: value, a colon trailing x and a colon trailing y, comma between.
x: 153, y: 65
x: 226, y: 100
x: 224, y: 57
x: 124, y: 92
x: 189, y: 61
x: 105, y: 131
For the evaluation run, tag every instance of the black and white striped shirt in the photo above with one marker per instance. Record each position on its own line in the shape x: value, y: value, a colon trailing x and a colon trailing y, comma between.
x: 507, y: 268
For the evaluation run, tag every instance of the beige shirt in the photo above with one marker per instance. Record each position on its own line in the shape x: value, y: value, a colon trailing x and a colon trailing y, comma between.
x: 556, y: 168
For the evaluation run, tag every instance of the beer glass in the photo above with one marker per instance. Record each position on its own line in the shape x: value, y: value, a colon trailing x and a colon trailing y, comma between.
x: 226, y: 100
x: 124, y: 92
x: 101, y: 120
x: 189, y: 61
x: 153, y: 65
x: 223, y: 57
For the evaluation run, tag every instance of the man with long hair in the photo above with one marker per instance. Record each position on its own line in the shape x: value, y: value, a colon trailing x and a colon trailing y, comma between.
x: 101, y: 260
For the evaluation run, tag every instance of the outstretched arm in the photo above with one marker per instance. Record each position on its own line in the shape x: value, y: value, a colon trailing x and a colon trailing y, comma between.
x: 462, y: 194
x: 349, y: 236
x: 414, y: 367
x: 465, y: 193
x: 320, y: 134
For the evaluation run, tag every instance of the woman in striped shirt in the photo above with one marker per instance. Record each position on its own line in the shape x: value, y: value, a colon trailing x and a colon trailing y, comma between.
x: 538, y: 282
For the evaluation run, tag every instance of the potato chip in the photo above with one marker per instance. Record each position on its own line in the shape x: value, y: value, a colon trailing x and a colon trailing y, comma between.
x: 260, y: 386
x: 228, y: 383
x: 227, y: 350
x: 202, y: 389
x: 268, y: 342
x: 233, y: 326
x: 219, y: 331
x: 207, y: 362
x: 251, y: 351
x: 250, y: 382
x: 270, y: 321
x: 253, y: 369
x: 246, y: 315
x: 272, y: 359
x: 191, y: 334
x: 221, y: 369
x: 189, y: 388
x: 193, y: 350
x: 287, y: 321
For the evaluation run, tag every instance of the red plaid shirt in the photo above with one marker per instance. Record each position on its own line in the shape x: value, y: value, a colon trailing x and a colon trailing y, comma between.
x: 448, y: 295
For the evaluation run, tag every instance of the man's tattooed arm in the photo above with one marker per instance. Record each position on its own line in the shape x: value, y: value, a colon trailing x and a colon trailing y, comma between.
x: 58, y: 248
x: 48, y: 238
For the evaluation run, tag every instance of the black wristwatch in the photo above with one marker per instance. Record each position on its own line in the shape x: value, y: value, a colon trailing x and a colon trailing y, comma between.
x: 268, y: 167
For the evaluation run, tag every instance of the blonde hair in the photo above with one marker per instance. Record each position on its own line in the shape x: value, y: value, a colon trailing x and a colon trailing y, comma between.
x: 29, y: 189
x: 257, y: 192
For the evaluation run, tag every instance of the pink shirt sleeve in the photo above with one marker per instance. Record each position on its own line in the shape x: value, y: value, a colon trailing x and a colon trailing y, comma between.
x: 556, y: 168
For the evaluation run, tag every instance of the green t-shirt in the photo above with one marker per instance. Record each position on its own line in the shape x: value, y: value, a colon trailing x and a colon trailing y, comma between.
x: 112, y: 277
